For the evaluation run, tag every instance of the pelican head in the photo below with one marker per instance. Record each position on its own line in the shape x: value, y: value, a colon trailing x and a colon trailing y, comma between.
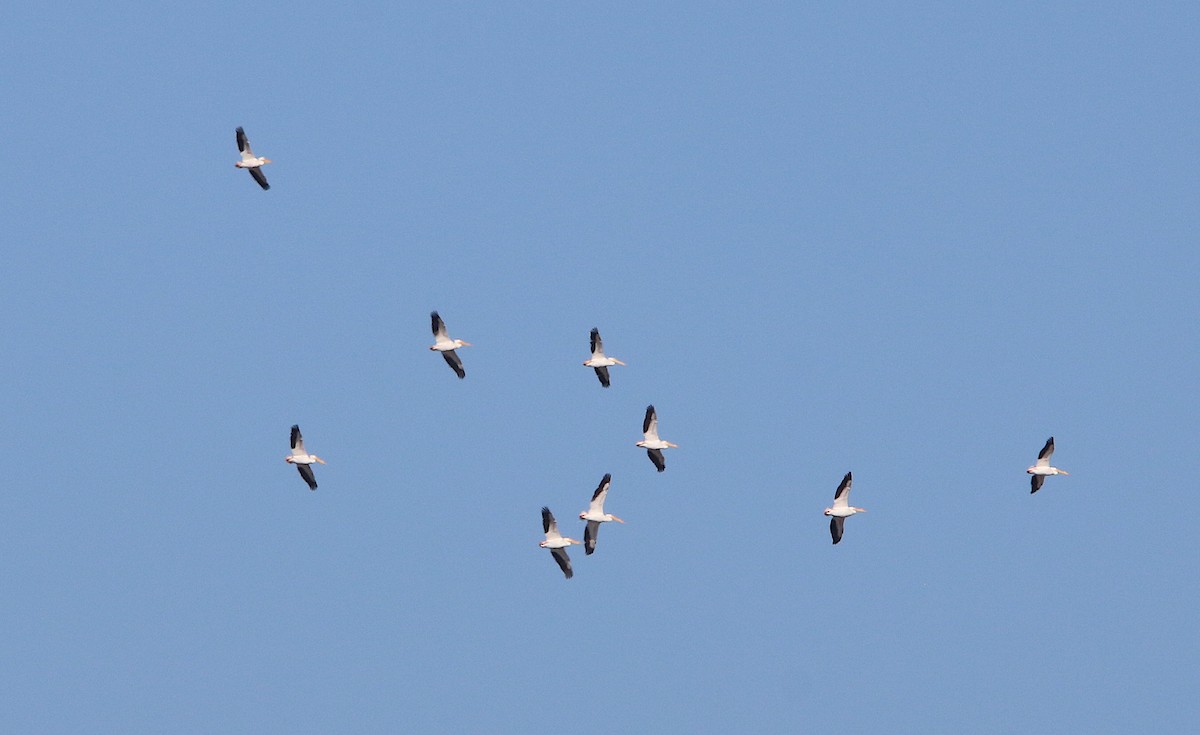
x: 829, y: 511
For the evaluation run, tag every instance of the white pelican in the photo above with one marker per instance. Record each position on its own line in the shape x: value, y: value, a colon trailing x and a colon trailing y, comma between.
x: 302, y: 459
x: 841, y: 508
x: 556, y: 542
x: 1043, y: 468
x: 251, y: 162
x: 595, y: 515
x: 446, y: 346
x: 652, y: 443
x: 598, y: 360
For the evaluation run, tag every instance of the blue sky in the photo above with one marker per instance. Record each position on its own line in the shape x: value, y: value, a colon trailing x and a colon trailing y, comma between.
x: 911, y: 240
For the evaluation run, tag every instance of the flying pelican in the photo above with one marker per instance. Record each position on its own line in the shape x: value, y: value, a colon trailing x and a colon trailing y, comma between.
x: 595, y: 515
x: 250, y: 161
x: 446, y: 346
x: 599, y: 361
x: 1043, y: 468
x: 556, y: 542
x: 652, y: 443
x: 841, y: 508
x: 302, y: 459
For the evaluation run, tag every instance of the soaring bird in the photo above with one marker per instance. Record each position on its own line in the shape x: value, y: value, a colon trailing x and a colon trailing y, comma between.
x: 599, y: 360
x: 447, y: 346
x: 251, y: 162
x: 1043, y: 468
x: 595, y: 515
x: 652, y: 443
x: 302, y: 459
x: 556, y: 542
x: 841, y: 508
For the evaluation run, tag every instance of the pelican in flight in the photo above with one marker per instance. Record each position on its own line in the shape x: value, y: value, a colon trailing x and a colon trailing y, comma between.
x: 556, y: 542
x: 447, y: 346
x: 302, y: 459
x: 595, y: 515
x: 251, y: 162
x: 599, y: 360
x: 652, y: 443
x: 841, y: 508
x: 1043, y: 468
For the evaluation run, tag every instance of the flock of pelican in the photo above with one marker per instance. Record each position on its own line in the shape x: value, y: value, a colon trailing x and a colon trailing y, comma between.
x: 654, y: 446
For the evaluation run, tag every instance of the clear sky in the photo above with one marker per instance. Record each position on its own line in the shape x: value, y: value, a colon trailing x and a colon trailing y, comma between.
x: 911, y: 240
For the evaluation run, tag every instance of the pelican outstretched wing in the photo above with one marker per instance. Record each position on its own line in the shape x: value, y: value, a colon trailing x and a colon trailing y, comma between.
x: 835, y: 528
x: 455, y: 363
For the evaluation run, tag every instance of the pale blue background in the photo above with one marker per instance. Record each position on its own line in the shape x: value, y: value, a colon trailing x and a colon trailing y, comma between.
x: 910, y: 240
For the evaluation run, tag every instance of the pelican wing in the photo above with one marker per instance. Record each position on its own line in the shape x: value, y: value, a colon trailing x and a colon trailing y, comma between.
x: 439, y: 327
x: 1044, y: 455
x: 589, y: 536
x: 602, y: 374
x: 307, y: 473
x: 244, y: 144
x: 564, y: 562
x: 260, y: 177
x: 841, y: 499
x: 597, y: 343
x: 1036, y: 483
x: 650, y: 424
x: 297, y: 441
x: 455, y: 362
x: 549, y: 525
x: 597, y: 504
x: 656, y: 456
x: 835, y: 528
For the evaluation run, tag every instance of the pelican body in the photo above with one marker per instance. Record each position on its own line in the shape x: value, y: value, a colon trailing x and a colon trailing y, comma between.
x: 1042, y: 469
x: 251, y: 162
x: 557, y: 543
x: 841, y: 509
x: 599, y: 360
x: 595, y: 515
x: 651, y: 443
x: 302, y: 459
x: 443, y: 344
